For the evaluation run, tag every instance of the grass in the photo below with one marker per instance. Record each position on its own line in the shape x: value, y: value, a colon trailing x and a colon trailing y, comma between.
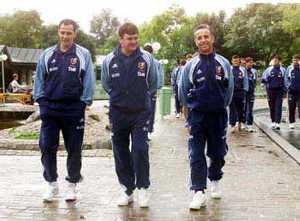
x: 24, y: 135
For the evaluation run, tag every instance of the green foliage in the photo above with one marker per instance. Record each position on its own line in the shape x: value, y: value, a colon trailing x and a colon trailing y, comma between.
x: 258, y: 30
x: 103, y: 25
x: 24, y: 135
x: 21, y: 29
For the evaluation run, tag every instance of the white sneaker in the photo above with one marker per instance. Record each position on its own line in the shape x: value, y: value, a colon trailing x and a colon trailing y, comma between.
x: 273, y: 125
x: 51, y: 192
x: 215, y: 190
x: 71, y: 192
x: 250, y: 128
x: 277, y: 126
x: 149, y: 136
x: 143, y: 198
x: 292, y: 126
x: 124, y: 199
x: 177, y: 115
x: 242, y: 126
x: 199, y: 200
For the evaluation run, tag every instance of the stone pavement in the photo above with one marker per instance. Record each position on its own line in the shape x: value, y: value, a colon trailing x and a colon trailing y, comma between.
x: 261, y: 183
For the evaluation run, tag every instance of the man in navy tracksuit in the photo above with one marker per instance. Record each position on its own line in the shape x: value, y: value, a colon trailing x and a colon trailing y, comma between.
x: 175, y: 77
x: 293, y: 86
x: 129, y: 76
x: 160, y: 83
x: 206, y: 89
x: 250, y: 95
x: 274, y: 79
x: 237, y: 105
x: 64, y: 85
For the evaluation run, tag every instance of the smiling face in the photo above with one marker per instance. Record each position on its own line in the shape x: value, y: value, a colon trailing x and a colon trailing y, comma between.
x: 236, y: 62
x: 204, y: 41
x: 129, y: 43
x: 66, y: 35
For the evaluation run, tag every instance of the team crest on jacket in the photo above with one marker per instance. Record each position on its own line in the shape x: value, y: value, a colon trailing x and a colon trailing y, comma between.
x: 219, y: 70
x: 73, y: 61
x: 141, y: 66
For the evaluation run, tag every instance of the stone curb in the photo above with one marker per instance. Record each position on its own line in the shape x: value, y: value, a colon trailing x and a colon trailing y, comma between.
x: 292, y: 151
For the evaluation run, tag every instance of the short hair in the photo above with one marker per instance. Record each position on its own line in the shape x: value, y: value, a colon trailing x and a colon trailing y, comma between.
x: 182, y: 62
x: 203, y: 26
x: 248, y: 59
x: 148, y: 48
x: 275, y: 56
x: 235, y: 57
x: 296, y: 56
x: 15, y: 75
x: 68, y: 21
x: 128, y: 28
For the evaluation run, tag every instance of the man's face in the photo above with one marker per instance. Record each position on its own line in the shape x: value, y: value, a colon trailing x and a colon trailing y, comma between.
x: 296, y: 61
x: 275, y: 61
x: 204, y: 41
x: 66, y: 35
x: 236, y: 62
x: 249, y: 64
x: 129, y: 42
x: 243, y: 62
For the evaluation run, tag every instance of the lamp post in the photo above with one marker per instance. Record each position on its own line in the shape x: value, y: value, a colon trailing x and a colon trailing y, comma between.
x: 3, y: 57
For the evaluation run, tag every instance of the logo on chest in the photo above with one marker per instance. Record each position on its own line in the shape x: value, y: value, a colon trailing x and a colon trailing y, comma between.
x: 141, y: 69
x: 53, y: 69
x: 73, y: 61
x: 219, y: 72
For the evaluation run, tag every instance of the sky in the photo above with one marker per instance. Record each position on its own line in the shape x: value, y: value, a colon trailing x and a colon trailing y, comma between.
x: 137, y: 11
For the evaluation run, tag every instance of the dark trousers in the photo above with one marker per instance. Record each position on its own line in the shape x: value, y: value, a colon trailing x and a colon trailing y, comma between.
x: 152, y: 115
x: 72, y: 128
x: 210, y: 129
x: 132, y: 166
x: 293, y: 101
x: 236, y: 110
x: 275, y: 98
x: 250, y: 98
x: 177, y: 101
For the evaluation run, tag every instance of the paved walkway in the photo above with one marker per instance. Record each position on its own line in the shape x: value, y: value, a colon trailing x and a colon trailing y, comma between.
x: 261, y: 183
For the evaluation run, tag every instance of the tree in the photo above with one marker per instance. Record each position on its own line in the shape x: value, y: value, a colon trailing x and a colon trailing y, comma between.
x: 257, y: 31
x: 104, y: 25
x: 21, y: 29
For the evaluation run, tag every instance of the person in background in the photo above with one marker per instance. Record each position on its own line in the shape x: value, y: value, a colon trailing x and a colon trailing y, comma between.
x: 241, y: 86
x: 274, y: 80
x: 292, y: 79
x: 15, y: 87
x: 250, y: 94
x: 160, y: 83
x: 175, y: 78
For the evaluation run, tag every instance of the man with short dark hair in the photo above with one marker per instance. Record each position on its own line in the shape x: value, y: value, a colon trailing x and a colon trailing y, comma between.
x: 237, y: 105
x: 206, y: 89
x: 293, y: 86
x: 175, y: 78
x: 274, y: 79
x: 160, y: 83
x: 250, y: 94
x: 129, y: 76
x: 64, y: 85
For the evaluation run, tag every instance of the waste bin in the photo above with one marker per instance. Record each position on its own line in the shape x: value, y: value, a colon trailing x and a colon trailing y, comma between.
x: 165, y: 101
